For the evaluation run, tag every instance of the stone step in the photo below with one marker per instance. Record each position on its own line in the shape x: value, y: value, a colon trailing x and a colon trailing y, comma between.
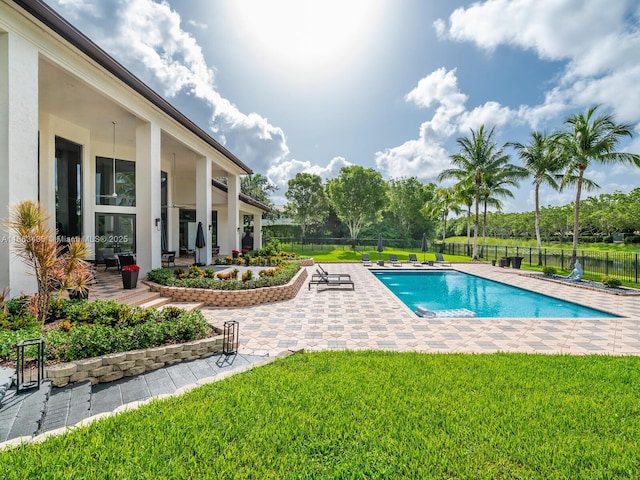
x: 187, y: 306
x: 67, y: 406
x: 22, y: 414
x: 124, y: 295
x: 140, y: 298
x: 156, y: 302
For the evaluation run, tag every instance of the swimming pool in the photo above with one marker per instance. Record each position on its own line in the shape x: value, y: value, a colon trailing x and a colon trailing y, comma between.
x: 446, y: 290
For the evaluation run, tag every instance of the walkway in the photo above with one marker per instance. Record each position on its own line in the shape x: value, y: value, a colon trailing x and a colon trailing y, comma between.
x: 371, y: 317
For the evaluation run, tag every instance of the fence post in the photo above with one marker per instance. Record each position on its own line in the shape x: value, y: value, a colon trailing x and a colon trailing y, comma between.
x: 606, y: 263
x: 636, y: 267
x: 562, y: 259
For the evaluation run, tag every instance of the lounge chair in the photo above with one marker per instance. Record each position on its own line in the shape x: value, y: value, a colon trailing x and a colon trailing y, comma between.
x: 393, y: 260
x: 330, y: 279
x: 413, y: 260
x: 366, y: 261
x: 440, y: 259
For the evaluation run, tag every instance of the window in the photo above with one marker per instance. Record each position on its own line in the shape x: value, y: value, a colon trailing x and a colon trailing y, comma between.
x: 119, y: 191
x: 68, y: 186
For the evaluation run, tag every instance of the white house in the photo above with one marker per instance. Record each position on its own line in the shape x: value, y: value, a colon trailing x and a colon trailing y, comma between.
x: 110, y: 159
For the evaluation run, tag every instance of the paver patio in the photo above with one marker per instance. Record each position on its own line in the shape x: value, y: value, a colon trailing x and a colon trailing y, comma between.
x: 371, y: 317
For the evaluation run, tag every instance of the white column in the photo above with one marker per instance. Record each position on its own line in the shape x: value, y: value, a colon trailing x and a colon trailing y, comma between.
x: 18, y: 146
x: 203, y: 206
x: 257, y: 231
x: 148, y: 236
x: 233, y: 212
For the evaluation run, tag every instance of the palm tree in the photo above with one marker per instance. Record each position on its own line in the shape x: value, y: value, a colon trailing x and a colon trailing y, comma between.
x: 479, y: 156
x: 443, y: 202
x: 541, y: 158
x: 588, y: 139
x: 465, y: 195
x: 494, y: 186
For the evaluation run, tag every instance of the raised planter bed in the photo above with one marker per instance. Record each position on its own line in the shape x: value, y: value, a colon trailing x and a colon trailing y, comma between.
x: 233, y: 298
x: 115, y: 366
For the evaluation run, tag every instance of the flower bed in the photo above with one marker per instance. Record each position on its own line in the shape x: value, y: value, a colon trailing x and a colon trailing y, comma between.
x: 233, y: 298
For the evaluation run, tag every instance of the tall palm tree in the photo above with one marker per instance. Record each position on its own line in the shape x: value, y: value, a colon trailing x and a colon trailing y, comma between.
x: 444, y: 201
x: 590, y: 138
x: 479, y: 156
x: 495, y: 186
x: 541, y: 158
x: 465, y: 194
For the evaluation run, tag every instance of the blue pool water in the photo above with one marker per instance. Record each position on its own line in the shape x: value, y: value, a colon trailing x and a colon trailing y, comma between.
x: 454, y: 290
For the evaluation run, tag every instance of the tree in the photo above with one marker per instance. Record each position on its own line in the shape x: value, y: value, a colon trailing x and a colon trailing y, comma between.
x: 53, y: 265
x: 307, y: 202
x: 444, y: 201
x: 479, y: 156
x: 541, y: 157
x: 494, y: 185
x: 407, y: 197
x: 358, y: 197
x: 465, y: 195
x: 259, y: 188
x: 589, y: 139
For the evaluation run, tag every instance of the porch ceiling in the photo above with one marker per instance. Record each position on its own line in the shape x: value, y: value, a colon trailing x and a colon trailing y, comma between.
x: 72, y: 99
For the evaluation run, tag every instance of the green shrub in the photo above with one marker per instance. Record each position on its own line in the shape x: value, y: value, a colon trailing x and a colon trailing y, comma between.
x: 163, y: 276
x: 248, y: 275
x: 8, y: 338
x: 610, y: 281
x: 549, y: 270
x: 85, y: 340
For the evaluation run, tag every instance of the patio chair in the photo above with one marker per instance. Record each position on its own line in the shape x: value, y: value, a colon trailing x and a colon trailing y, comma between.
x: 393, y: 260
x: 168, y: 258
x: 413, y: 260
x: 366, y: 261
x: 440, y: 260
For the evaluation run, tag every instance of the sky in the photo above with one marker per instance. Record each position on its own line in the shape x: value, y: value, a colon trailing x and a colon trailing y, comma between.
x: 314, y: 85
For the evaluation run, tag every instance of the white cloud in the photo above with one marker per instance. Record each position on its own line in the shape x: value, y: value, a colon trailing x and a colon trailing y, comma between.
x: 426, y: 156
x: 280, y: 173
x: 490, y: 114
x: 439, y: 86
x: 150, y: 40
x: 598, y: 39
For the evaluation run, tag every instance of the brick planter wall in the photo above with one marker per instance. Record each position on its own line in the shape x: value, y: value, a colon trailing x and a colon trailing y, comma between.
x: 126, y: 364
x: 233, y: 298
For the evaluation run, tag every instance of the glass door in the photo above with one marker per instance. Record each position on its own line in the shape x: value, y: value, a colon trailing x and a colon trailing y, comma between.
x: 115, y: 233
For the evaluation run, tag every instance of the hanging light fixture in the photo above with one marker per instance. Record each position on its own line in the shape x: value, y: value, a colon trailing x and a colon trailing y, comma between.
x: 115, y: 193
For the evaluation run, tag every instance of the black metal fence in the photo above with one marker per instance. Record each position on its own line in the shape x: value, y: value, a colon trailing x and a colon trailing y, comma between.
x: 623, y: 265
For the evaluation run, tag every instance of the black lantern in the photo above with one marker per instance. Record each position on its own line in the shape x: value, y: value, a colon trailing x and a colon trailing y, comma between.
x: 230, y: 338
x: 29, y: 364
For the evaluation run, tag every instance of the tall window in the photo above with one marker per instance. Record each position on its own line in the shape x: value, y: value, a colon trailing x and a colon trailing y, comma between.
x: 119, y: 190
x: 68, y: 186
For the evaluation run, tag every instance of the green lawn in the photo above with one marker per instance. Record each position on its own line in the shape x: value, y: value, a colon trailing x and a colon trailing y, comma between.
x: 371, y: 415
x: 343, y: 253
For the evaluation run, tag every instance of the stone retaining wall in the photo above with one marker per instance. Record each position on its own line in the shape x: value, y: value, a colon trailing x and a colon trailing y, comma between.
x: 233, y: 298
x: 126, y: 364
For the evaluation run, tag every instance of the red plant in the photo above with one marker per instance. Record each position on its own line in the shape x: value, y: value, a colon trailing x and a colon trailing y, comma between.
x: 131, y: 268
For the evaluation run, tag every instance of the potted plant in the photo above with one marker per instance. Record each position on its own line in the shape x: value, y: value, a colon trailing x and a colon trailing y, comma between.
x: 234, y: 253
x: 130, y: 276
